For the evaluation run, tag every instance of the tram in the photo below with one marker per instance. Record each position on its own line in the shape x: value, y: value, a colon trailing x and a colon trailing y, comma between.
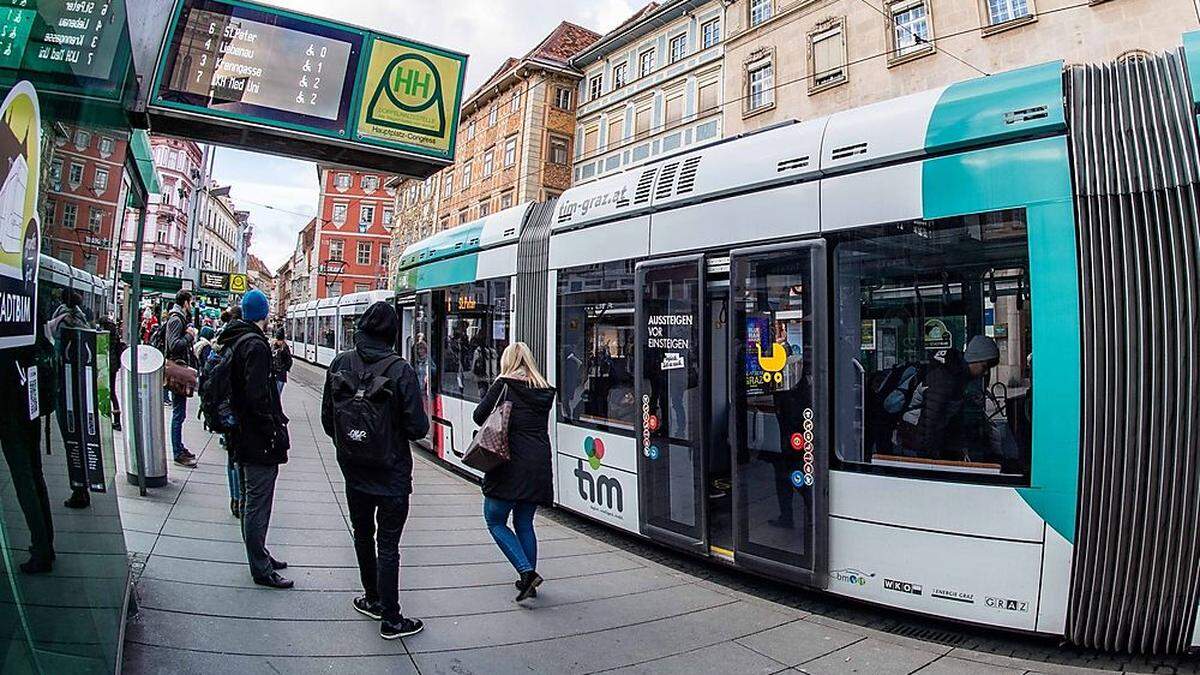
x: 316, y: 331
x: 55, y: 276
x: 730, y: 327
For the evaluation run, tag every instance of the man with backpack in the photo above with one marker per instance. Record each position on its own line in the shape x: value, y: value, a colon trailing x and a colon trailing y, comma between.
x: 372, y: 408
x: 177, y: 340
x: 239, y: 398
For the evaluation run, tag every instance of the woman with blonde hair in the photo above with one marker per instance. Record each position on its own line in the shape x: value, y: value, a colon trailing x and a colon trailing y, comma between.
x: 518, y: 486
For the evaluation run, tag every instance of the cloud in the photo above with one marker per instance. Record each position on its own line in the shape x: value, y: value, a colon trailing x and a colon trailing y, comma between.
x: 280, y: 192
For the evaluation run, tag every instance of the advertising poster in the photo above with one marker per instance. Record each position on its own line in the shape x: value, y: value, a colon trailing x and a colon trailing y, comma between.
x: 20, y: 146
x: 80, y: 407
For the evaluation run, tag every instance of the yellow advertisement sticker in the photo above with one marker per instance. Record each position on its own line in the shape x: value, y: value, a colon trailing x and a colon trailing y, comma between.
x: 20, y: 236
x: 411, y: 97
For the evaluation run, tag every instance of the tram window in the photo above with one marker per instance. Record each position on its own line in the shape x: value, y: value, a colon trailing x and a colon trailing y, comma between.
x: 327, y: 332
x: 596, y: 346
x: 348, y: 326
x: 475, y: 334
x: 312, y: 331
x: 420, y: 355
x: 933, y: 354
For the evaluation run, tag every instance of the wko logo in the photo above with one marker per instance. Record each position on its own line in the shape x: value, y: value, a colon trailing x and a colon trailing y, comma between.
x: 600, y: 490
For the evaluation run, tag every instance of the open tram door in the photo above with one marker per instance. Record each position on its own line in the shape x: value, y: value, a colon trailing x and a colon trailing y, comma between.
x: 778, y: 431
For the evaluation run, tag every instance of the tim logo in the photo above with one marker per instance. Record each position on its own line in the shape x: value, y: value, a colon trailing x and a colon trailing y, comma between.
x: 357, y: 435
x: 600, y: 490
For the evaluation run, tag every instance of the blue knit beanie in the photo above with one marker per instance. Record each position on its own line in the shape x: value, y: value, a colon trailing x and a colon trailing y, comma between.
x: 255, y: 305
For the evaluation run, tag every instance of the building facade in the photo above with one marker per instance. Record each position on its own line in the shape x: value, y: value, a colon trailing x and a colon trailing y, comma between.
x: 220, y: 230
x: 259, y: 276
x: 515, y: 134
x: 167, y: 237
x: 84, y: 201
x: 416, y: 210
x: 651, y: 86
x: 799, y: 59
x: 353, y: 232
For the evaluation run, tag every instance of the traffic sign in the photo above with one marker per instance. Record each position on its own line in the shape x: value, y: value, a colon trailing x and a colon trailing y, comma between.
x: 238, y: 283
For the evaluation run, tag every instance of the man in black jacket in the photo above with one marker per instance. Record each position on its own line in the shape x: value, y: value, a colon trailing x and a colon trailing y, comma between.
x: 178, y: 337
x: 379, y: 496
x: 952, y: 417
x: 259, y: 444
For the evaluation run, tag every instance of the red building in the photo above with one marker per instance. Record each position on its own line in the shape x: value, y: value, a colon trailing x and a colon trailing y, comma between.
x: 353, y: 232
x: 84, y: 198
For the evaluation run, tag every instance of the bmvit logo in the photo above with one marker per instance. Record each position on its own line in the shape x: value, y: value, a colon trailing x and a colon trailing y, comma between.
x: 594, y: 449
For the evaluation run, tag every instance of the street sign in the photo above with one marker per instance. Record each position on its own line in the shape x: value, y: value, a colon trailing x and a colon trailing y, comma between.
x: 238, y: 283
x: 232, y: 71
x: 214, y: 281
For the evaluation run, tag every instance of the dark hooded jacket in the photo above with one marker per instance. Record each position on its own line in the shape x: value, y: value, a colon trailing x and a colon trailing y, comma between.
x: 373, y: 342
x: 261, y: 437
x: 952, y: 414
x: 527, y: 475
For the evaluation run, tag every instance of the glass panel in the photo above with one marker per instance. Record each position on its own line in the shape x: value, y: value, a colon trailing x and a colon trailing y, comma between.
x: 934, y: 333
x: 595, y: 329
x: 476, y: 333
x: 348, y: 326
x: 421, y: 354
x: 672, y: 466
x: 327, y: 331
x: 775, y: 411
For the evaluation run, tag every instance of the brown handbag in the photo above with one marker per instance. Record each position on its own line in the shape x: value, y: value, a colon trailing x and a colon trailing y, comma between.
x: 179, y: 378
x: 489, y: 448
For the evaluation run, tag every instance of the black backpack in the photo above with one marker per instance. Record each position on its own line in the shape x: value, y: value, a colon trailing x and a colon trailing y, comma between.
x: 364, y: 412
x: 158, y: 338
x: 216, y: 388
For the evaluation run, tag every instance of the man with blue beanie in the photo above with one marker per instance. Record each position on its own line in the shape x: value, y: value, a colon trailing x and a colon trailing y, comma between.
x: 259, y: 443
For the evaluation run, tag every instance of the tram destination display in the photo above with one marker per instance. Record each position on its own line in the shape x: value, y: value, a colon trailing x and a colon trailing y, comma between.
x: 77, y: 44
x: 259, y: 64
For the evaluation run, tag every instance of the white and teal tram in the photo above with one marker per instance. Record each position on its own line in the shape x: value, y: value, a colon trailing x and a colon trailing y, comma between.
x: 727, y: 327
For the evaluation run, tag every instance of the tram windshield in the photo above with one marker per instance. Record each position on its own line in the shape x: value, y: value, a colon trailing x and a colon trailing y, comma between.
x: 934, y: 335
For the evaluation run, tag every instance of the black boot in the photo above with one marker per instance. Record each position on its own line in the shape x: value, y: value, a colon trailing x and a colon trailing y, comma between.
x: 528, y: 584
x: 80, y: 499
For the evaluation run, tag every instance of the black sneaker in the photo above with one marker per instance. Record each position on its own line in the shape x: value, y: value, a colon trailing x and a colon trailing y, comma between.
x: 528, y: 585
x: 373, y: 610
x: 532, y: 591
x: 402, y: 628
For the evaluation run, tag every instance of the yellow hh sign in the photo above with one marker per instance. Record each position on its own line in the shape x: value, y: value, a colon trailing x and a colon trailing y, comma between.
x: 410, y: 97
x: 238, y: 283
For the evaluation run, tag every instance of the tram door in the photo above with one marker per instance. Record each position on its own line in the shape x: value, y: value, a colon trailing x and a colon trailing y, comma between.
x: 778, y: 410
x: 671, y: 381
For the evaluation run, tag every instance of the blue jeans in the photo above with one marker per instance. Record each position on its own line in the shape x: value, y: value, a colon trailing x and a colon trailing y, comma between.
x: 520, y: 547
x: 178, y: 415
x: 235, y: 482
x: 279, y: 386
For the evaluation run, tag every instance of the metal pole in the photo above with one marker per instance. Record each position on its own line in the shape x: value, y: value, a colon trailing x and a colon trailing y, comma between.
x: 134, y: 318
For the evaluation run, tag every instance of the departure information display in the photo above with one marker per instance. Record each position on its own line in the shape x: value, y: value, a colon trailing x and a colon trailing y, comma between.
x: 250, y: 62
x: 71, y: 38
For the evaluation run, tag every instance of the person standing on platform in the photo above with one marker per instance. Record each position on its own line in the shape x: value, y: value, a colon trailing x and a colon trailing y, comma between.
x: 281, y: 360
x: 520, y: 485
x: 20, y: 439
x: 177, y: 341
x: 372, y: 434
x: 259, y: 443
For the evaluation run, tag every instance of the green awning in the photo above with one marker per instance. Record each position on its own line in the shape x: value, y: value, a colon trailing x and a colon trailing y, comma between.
x: 143, y: 161
x: 153, y: 283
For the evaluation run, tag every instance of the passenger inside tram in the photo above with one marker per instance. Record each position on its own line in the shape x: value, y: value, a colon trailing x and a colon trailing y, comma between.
x: 934, y: 332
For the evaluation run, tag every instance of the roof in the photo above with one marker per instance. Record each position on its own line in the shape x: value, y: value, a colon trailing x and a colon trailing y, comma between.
x: 554, y: 51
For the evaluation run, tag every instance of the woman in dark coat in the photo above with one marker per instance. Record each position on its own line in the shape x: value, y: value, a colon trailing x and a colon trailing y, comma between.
x: 518, y: 486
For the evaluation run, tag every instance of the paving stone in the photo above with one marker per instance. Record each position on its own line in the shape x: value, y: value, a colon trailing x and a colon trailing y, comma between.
x: 869, y: 655
x: 799, y: 641
x: 720, y: 659
x: 949, y: 665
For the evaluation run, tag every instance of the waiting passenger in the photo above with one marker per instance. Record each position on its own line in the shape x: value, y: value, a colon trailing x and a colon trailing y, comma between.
x: 949, y: 421
x: 524, y: 482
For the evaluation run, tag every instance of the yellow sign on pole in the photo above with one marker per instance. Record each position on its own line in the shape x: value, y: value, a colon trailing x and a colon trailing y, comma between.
x: 238, y: 283
x: 410, y: 97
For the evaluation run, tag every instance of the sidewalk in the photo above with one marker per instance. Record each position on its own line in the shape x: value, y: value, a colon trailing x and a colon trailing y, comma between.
x: 601, y: 608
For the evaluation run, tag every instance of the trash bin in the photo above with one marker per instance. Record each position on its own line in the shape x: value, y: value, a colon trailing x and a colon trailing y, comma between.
x: 151, y: 428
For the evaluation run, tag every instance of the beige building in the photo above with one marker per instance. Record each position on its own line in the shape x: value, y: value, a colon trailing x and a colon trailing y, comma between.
x: 798, y: 59
x: 651, y: 86
x: 416, y: 210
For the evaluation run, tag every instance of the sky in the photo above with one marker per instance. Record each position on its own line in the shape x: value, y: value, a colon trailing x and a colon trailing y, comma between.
x: 281, y: 194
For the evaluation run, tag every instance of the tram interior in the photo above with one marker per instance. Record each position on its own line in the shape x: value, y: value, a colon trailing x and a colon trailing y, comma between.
x: 910, y: 297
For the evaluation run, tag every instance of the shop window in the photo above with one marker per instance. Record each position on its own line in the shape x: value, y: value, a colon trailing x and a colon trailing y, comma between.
x: 596, y: 346
x: 934, y: 336
x: 475, y: 329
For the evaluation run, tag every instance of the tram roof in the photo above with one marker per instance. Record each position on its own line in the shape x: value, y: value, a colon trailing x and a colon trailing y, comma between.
x: 495, y: 229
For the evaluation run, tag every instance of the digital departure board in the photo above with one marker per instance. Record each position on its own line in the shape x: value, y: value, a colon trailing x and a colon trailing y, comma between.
x: 243, y: 73
x: 259, y: 64
x: 68, y: 42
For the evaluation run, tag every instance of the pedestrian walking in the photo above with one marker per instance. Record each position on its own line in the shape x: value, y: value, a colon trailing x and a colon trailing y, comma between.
x: 259, y: 441
x: 518, y: 486
x: 372, y: 408
x: 178, y: 337
x: 281, y: 360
